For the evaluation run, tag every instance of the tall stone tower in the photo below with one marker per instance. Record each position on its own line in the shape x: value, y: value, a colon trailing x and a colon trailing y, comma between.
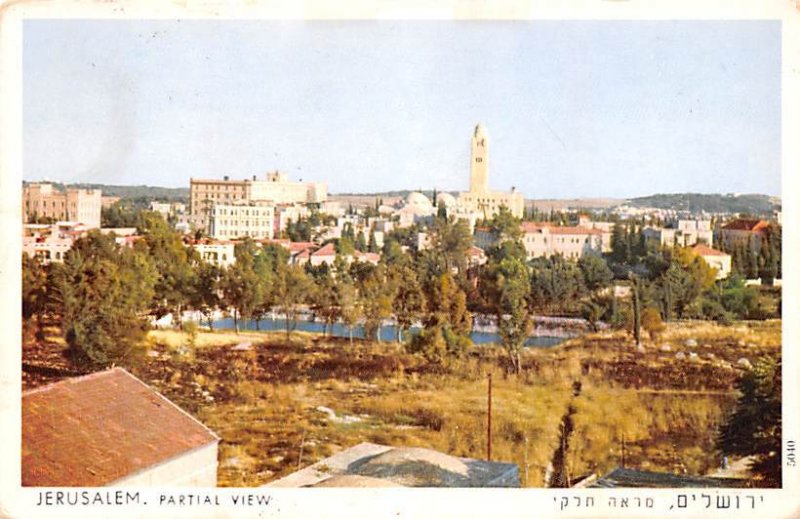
x: 479, y: 168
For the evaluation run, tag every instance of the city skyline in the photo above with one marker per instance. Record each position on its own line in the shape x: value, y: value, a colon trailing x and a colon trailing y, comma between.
x: 573, y: 109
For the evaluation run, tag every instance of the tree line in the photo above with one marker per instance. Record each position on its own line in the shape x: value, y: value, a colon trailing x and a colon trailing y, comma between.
x: 104, y: 294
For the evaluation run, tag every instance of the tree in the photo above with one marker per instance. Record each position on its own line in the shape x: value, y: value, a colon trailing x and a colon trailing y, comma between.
x: 556, y: 284
x: 511, y: 308
x: 447, y: 323
x: 409, y: 300
x: 361, y: 242
x: 375, y: 297
x: 205, y: 295
x: 450, y: 239
x: 242, y: 288
x: 372, y: 246
x: 592, y: 312
x: 293, y: 288
x: 636, y: 307
x: 595, y: 271
x: 103, y: 291
x: 652, y: 323
x: 349, y: 308
x: 617, y: 243
x: 754, y: 428
x: 505, y: 226
x: 325, y: 302
x: 679, y: 277
x: 173, y: 262
x: 34, y: 292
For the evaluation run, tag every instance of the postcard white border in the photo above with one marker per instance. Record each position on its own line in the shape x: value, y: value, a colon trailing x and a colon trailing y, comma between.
x: 350, y: 503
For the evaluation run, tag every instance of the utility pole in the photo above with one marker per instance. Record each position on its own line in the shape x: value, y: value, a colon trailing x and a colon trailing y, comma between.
x: 623, y: 450
x: 489, y: 423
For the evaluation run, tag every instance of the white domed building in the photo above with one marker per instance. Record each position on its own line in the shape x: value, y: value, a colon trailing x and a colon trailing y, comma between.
x: 447, y: 200
x: 416, y: 207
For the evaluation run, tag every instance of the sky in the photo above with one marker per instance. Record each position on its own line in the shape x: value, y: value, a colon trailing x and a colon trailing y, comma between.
x: 572, y: 108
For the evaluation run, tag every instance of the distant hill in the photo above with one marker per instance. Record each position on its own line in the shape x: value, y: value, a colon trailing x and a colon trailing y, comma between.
x: 696, y: 202
x: 167, y: 194
x: 566, y: 204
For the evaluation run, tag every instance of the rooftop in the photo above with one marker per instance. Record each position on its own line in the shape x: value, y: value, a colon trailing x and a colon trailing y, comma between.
x: 746, y: 224
x: 630, y: 478
x: 705, y: 250
x: 373, y: 465
x: 97, y: 429
x: 326, y: 250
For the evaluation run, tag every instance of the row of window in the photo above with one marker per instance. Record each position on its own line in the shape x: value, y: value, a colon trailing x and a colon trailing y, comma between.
x: 242, y: 212
x: 235, y: 233
x: 243, y: 223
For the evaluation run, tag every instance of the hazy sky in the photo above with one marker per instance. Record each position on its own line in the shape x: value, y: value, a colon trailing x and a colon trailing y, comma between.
x: 573, y: 109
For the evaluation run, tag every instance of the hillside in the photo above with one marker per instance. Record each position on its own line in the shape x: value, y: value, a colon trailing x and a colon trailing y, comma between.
x: 715, y: 203
x: 171, y: 194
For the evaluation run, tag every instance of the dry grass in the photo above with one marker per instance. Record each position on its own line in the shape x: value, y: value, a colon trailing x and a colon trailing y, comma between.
x: 263, y: 403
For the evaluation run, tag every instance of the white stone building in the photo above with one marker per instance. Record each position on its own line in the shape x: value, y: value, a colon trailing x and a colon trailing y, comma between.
x: 716, y: 259
x: 254, y: 220
x: 46, y: 248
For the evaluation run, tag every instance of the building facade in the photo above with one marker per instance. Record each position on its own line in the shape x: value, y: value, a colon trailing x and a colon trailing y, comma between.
x: 46, y: 249
x: 681, y: 233
x: 542, y: 240
x: 227, y: 221
x: 275, y: 188
x: 716, y: 259
x: 743, y: 232
x: 220, y: 253
x: 75, y: 205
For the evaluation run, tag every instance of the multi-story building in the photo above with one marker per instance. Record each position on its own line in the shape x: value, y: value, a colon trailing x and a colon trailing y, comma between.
x: 228, y: 220
x: 276, y: 188
x: 743, y: 231
x: 571, y: 242
x: 167, y: 209
x: 681, y: 233
x: 545, y: 240
x: 279, y: 190
x: 76, y: 205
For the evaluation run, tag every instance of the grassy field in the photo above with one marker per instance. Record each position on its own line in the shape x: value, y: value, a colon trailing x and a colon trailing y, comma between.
x: 264, y: 397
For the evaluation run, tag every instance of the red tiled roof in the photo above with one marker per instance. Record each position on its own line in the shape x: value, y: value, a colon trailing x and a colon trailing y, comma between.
x: 746, y: 224
x: 297, y: 246
x: 282, y: 242
x: 326, y: 250
x: 705, y: 250
x: 475, y: 251
x: 371, y: 257
x: 97, y: 429
x: 533, y: 226
x: 574, y: 230
x: 303, y: 254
